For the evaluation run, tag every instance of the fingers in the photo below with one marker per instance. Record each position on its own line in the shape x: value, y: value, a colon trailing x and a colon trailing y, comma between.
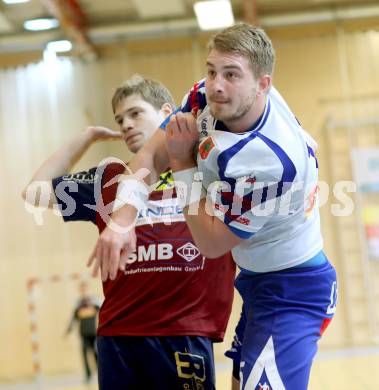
x: 114, y: 261
x: 182, y: 121
x: 127, y: 251
x: 117, y: 135
x: 104, y: 261
x: 99, y: 259
x: 172, y: 126
x: 95, y: 261
x: 124, y: 255
x: 106, y: 134
x: 181, y: 124
x: 96, y: 267
x: 111, y: 253
x: 111, y: 135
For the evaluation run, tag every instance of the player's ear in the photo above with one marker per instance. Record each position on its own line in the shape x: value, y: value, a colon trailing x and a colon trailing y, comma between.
x: 166, y: 109
x: 264, y: 84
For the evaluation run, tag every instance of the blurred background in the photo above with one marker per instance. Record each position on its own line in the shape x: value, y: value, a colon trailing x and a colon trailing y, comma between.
x: 328, y: 71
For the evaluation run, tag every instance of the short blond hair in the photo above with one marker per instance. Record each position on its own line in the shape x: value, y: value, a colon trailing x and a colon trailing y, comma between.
x: 151, y: 91
x: 250, y: 42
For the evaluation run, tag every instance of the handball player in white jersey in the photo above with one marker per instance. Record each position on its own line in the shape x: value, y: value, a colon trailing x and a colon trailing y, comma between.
x: 246, y: 173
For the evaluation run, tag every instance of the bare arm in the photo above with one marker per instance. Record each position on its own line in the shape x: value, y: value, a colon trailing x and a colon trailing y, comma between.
x: 118, y: 239
x: 64, y: 159
x: 211, y: 235
x: 152, y: 156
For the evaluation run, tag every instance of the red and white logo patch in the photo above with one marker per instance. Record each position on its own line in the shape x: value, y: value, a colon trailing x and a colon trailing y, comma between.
x: 243, y: 221
x: 205, y: 147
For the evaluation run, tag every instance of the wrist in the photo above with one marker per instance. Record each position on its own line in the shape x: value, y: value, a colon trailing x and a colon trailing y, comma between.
x: 125, y: 216
x: 133, y: 192
x: 90, y: 134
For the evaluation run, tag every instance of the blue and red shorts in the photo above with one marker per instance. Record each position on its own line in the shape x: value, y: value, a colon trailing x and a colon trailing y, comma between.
x: 284, y: 315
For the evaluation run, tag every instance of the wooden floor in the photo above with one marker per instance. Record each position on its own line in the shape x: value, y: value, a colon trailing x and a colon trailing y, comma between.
x: 335, y: 371
x: 341, y: 370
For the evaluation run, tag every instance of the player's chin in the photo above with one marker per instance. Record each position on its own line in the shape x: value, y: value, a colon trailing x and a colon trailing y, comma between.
x: 220, y: 111
x: 135, y: 146
x: 222, y: 115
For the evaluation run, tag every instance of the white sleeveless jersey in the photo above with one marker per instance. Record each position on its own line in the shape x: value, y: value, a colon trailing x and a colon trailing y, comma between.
x: 263, y: 182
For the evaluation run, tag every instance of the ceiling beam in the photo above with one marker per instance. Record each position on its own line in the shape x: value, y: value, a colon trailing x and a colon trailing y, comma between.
x: 149, y: 9
x: 122, y: 32
x: 73, y: 22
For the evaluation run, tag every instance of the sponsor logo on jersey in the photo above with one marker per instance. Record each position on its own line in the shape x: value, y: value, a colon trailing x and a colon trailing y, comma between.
x: 188, y: 252
x: 82, y: 177
x: 203, y: 126
x: 247, y: 179
x: 163, y: 251
x: 160, y: 211
x: 251, y: 180
x: 205, y: 148
x: 243, y: 221
x: 165, y: 181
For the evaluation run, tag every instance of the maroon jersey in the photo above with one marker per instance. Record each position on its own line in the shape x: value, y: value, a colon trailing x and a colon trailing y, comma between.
x: 168, y: 287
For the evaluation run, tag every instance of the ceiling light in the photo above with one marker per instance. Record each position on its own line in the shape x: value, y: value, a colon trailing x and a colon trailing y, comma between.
x: 59, y: 46
x: 214, y: 14
x: 15, y: 1
x: 40, y: 24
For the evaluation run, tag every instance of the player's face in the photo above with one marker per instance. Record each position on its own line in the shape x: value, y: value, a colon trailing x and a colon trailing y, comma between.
x: 138, y: 120
x: 231, y: 89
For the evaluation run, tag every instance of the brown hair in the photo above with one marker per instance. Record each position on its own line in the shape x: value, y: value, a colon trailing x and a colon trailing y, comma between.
x: 151, y: 91
x: 249, y: 41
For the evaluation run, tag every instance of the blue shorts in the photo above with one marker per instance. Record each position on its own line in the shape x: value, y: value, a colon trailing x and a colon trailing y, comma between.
x: 283, y: 316
x: 171, y: 362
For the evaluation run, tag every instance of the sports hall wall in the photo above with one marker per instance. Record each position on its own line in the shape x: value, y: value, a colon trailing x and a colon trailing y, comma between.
x: 328, y: 74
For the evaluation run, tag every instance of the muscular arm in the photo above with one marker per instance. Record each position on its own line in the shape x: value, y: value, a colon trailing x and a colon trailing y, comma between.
x: 212, y: 236
x: 152, y: 156
x: 64, y: 159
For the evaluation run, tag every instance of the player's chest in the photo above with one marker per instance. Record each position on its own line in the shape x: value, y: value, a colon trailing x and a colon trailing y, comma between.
x: 219, y: 147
